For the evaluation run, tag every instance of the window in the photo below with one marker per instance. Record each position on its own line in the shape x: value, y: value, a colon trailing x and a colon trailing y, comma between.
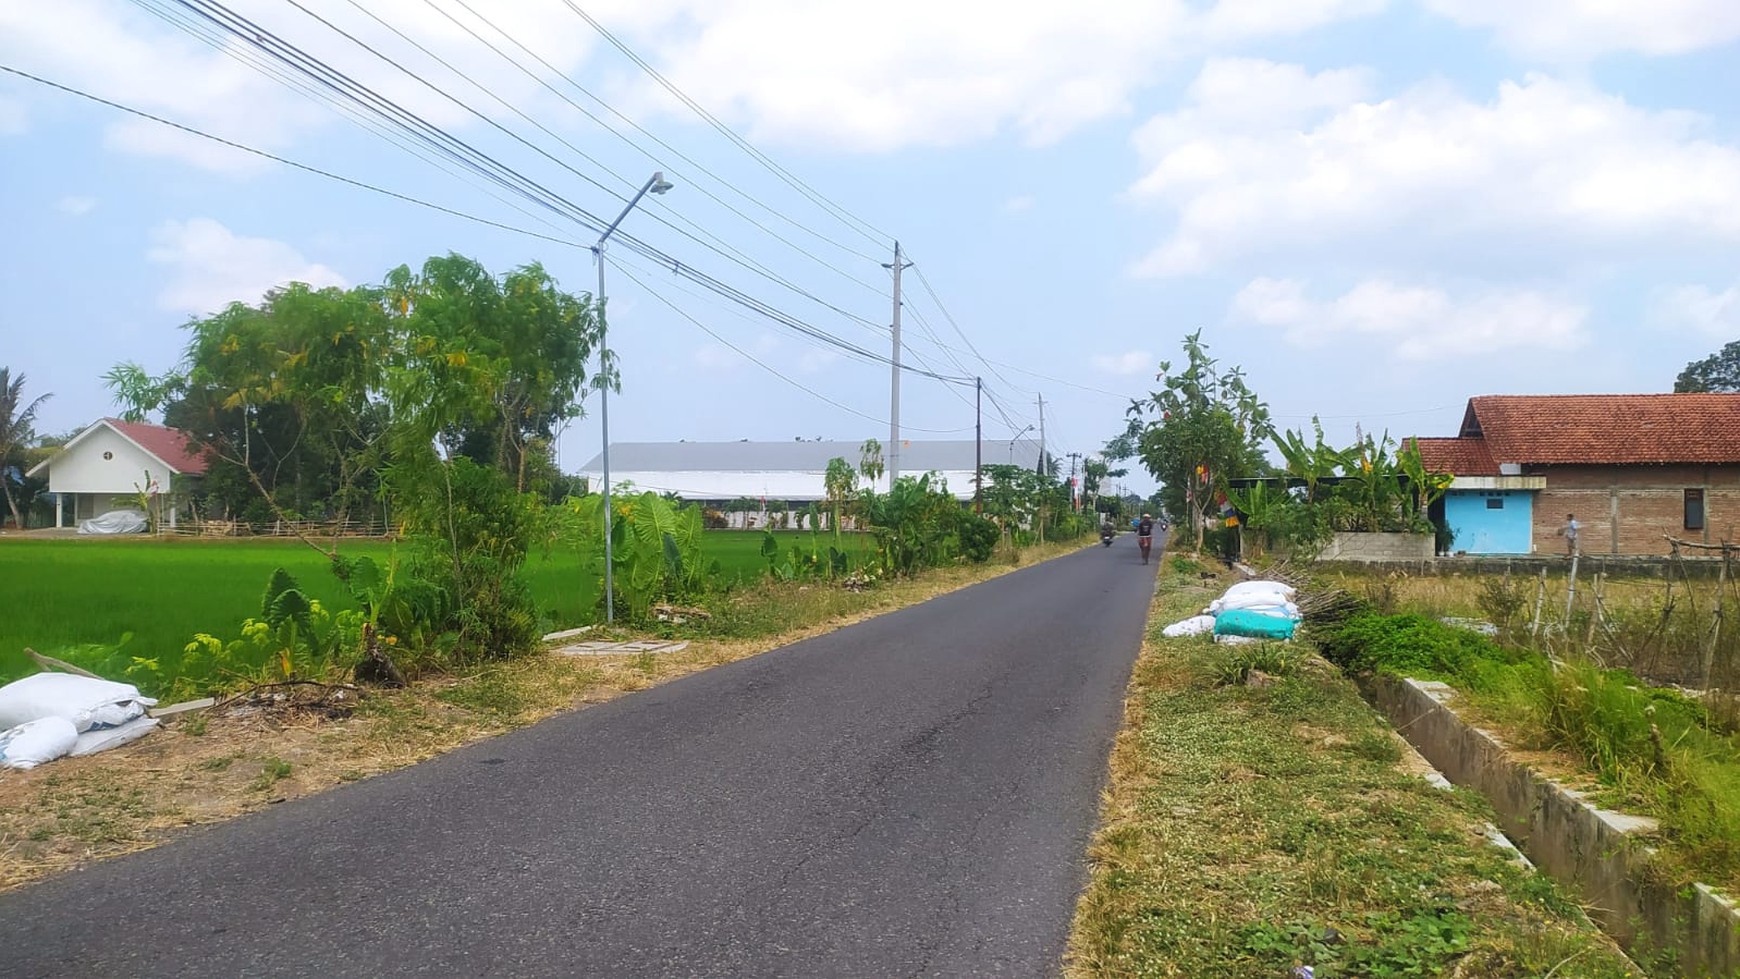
x: 1694, y: 509
x: 1494, y: 503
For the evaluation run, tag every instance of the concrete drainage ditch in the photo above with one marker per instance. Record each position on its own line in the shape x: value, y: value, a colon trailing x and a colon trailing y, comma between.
x: 1592, y: 851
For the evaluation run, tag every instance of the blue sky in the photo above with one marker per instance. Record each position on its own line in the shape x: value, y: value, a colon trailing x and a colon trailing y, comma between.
x: 1377, y: 207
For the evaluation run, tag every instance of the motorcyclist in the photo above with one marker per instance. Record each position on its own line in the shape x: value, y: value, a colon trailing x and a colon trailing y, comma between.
x: 1106, y: 529
x: 1145, y: 535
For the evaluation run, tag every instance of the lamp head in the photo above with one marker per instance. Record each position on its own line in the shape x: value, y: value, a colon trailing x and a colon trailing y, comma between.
x: 659, y: 183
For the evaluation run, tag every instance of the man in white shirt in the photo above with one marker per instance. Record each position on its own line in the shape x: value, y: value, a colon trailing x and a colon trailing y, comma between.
x: 1570, y: 532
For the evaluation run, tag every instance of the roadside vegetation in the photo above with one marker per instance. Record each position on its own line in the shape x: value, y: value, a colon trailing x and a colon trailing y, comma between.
x: 1261, y: 817
x: 427, y: 405
x: 1640, y: 748
x: 259, y: 750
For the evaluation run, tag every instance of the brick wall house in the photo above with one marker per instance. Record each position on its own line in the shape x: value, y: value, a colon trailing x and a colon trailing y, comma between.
x: 1632, y: 467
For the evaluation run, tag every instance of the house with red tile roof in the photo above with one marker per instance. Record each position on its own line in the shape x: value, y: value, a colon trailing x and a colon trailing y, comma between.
x: 1632, y: 468
x: 109, y: 465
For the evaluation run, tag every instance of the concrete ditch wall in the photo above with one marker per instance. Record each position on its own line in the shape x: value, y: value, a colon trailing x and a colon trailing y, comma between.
x: 1378, y: 548
x: 1592, y: 851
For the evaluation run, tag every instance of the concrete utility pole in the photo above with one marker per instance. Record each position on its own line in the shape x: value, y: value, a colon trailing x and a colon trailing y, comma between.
x: 1041, y: 467
x: 894, y: 384
x: 978, y: 444
x: 1073, y: 456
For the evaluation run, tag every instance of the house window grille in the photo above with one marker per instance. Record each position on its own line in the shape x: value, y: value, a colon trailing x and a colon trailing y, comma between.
x: 1494, y: 503
x: 1694, y: 509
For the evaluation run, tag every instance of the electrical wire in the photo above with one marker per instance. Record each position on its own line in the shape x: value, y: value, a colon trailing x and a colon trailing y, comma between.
x: 772, y: 370
x: 852, y: 221
x: 652, y: 136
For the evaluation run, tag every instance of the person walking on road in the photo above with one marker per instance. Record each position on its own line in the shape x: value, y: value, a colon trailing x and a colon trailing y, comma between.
x: 1145, y: 535
x: 1570, y: 531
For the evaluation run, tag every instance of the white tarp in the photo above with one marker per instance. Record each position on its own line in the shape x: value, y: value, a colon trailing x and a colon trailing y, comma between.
x: 115, y: 522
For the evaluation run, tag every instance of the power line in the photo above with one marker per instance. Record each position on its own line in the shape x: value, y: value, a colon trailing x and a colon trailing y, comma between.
x: 772, y: 370
x: 852, y: 221
x: 287, y: 162
x: 727, y: 292
x: 650, y: 135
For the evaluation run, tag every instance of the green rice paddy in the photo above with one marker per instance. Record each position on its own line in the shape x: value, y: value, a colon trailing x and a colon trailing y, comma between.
x: 57, y: 593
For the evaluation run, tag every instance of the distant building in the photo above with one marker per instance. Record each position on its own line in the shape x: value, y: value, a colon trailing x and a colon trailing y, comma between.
x: 717, y: 473
x: 110, y: 464
x: 1632, y: 467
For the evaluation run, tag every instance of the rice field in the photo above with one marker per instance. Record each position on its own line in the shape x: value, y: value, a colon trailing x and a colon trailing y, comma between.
x: 61, y: 592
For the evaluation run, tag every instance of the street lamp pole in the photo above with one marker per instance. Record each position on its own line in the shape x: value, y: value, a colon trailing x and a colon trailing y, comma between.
x: 1012, y: 442
x: 656, y: 184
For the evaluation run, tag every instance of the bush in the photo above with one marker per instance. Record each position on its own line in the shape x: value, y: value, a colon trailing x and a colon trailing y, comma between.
x: 978, y: 537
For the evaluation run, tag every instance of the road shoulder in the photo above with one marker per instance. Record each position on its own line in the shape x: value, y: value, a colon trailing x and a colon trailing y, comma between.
x: 1250, y: 829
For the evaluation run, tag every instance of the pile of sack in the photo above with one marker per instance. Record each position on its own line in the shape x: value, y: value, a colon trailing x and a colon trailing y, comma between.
x: 1249, y: 611
x: 46, y: 716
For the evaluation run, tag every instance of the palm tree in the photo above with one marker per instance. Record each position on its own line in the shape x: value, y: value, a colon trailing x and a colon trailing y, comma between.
x: 17, y: 426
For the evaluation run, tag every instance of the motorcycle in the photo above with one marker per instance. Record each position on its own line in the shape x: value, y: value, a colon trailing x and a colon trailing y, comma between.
x: 1106, y: 536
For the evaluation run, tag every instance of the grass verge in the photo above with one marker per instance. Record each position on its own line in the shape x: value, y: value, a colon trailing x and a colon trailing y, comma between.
x: 206, y: 768
x: 1248, y: 829
x: 1636, y: 748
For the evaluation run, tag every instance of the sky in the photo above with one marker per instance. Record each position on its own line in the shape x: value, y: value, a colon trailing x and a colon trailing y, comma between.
x: 1376, y: 208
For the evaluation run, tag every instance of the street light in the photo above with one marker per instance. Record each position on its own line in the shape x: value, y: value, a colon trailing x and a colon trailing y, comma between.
x: 1017, y: 435
x: 656, y: 184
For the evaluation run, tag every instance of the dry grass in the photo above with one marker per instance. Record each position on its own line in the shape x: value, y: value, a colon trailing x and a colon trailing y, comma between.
x: 1248, y: 829
x: 206, y: 768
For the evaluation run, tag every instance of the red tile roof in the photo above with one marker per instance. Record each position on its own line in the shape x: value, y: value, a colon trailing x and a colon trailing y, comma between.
x: 1458, y: 457
x: 172, y: 446
x: 1607, y: 429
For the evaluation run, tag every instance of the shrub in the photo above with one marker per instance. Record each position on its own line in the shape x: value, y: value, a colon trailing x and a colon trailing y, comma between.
x: 978, y: 537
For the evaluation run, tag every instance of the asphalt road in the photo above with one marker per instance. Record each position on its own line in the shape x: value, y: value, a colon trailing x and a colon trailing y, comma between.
x: 911, y: 796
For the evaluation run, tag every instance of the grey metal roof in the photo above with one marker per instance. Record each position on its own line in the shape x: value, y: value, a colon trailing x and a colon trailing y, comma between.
x: 915, y: 457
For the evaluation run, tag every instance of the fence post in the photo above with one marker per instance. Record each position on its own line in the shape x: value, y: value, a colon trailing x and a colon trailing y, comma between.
x: 1540, y: 600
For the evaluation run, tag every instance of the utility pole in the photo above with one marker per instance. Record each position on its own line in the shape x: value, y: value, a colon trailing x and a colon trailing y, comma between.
x: 894, y: 384
x: 978, y: 443
x: 1073, y: 456
x: 1041, y: 467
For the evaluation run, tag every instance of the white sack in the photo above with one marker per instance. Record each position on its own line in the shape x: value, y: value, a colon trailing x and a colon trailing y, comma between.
x: 79, y: 699
x: 1235, y: 640
x: 1264, y: 604
x: 104, y: 738
x: 1193, y: 626
x: 113, y: 715
x: 1260, y: 588
x: 30, y: 744
x: 115, y: 522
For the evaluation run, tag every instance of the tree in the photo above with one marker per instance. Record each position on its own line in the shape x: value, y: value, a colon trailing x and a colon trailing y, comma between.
x: 1203, y: 428
x: 17, y: 428
x: 1717, y: 373
x: 518, y: 344
x: 838, y: 482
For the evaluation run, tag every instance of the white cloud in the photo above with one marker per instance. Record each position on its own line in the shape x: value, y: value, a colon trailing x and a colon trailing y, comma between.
x: 211, y: 267
x: 1715, y: 314
x: 116, y: 51
x: 1265, y: 157
x: 1129, y: 362
x: 75, y: 205
x: 1018, y: 204
x: 13, y: 119
x: 1581, y: 29
x: 1413, y: 322
x: 916, y: 72
x: 844, y: 77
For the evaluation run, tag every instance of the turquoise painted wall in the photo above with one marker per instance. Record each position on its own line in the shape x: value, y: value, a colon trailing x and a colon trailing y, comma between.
x: 1490, y: 521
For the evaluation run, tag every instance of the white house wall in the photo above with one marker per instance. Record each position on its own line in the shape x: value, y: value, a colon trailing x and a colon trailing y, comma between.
x: 128, y: 470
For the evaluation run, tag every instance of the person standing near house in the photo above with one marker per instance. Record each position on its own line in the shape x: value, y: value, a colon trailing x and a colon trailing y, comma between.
x: 1570, y: 532
x: 1145, y: 535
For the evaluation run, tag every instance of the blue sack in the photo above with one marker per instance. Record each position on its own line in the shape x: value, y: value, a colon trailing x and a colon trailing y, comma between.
x: 1254, y: 624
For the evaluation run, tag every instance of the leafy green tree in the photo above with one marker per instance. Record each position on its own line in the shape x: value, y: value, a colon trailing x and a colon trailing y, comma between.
x: 516, y: 345
x: 1717, y: 373
x: 1204, y: 427
x: 17, y: 429
x: 838, y: 482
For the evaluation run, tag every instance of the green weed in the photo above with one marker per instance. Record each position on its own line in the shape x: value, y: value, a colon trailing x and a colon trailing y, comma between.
x: 272, y: 771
